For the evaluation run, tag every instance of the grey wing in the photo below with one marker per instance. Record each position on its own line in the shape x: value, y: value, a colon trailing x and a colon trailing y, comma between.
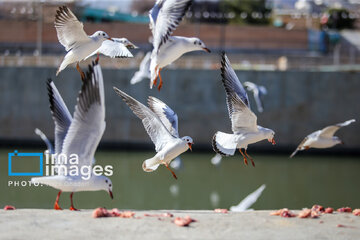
x: 144, y: 70
x: 167, y: 116
x: 60, y: 114
x: 153, y: 125
x: 237, y: 100
x: 300, y: 146
x: 330, y: 130
x: 165, y: 16
x: 70, y: 31
x: 88, y: 125
x: 46, y: 140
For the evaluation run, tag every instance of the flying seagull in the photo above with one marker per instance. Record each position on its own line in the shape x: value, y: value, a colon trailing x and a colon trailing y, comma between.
x: 144, y: 70
x: 161, y: 124
x: 258, y: 92
x: 165, y: 16
x: 323, y: 138
x: 243, y: 120
x: 79, y: 135
x: 80, y: 46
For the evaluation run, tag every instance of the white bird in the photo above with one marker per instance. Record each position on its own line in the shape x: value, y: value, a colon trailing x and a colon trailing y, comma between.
x: 243, y: 120
x: 49, y: 146
x: 144, y: 70
x: 79, y: 45
x: 165, y: 16
x: 80, y: 135
x: 247, y: 202
x: 216, y: 160
x: 258, y: 92
x: 323, y: 138
x: 161, y: 124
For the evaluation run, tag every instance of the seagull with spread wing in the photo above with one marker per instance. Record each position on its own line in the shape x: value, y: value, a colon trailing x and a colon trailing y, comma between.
x: 243, y: 120
x: 258, y: 92
x: 323, y: 138
x: 80, y: 46
x: 79, y: 135
x: 161, y: 124
x: 165, y: 16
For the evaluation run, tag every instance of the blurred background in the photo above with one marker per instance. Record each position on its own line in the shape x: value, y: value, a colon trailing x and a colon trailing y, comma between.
x: 306, y: 53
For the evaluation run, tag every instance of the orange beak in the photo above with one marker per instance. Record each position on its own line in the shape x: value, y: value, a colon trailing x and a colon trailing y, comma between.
x: 190, y: 146
x: 110, y: 39
x: 207, y: 50
x: 272, y: 141
x: 111, y: 194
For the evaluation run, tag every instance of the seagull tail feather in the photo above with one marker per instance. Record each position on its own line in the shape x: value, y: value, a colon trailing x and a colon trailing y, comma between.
x: 224, y: 143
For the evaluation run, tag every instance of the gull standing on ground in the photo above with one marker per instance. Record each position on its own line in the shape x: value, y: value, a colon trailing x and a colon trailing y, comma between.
x: 161, y: 124
x: 258, y: 92
x: 247, y: 202
x: 323, y: 138
x: 80, y: 46
x: 144, y: 70
x: 165, y: 16
x: 243, y: 120
x: 78, y: 135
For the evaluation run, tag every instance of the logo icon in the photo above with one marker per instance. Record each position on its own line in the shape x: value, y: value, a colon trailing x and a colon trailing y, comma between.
x: 15, y: 157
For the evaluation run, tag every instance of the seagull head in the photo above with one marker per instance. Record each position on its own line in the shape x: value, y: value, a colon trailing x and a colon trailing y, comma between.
x: 199, y: 45
x: 188, y: 141
x: 102, y: 35
x: 127, y: 43
x: 104, y: 183
x: 270, y: 135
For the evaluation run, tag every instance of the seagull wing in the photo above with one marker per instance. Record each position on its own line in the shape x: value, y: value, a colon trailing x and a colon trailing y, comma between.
x: 153, y: 125
x: 167, y: 116
x: 70, y: 31
x: 242, y: 118
x: 88, y: 124
x: 60, y: 115
x: 329, y: 131
x: 165, y: 16
x: 247, y: 202
x: 300, y: 147
x: 112, y: 49
x: 45, y: 139
x: 144, y: 70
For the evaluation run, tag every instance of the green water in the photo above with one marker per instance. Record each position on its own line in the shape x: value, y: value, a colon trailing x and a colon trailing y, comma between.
x: 296, y: 183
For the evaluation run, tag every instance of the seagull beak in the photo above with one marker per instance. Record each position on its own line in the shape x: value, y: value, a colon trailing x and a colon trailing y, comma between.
x: 341, y: 142
x: 111, y: 194
x: 273, y: 141
x: 207, y: 50
x: 110, y: 39
x: 131, y: 46
x: 190, y: 146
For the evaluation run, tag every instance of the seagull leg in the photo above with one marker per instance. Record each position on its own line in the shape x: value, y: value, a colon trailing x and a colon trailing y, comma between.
x: 167, y: 166
x: 245, y: 159
x: 56, y: 205
x: 155, y: 80
x: 97, y: 58
x: 161, y: 82
x: 252, y: 160
x: 72, y: 208
x: 82, y: 74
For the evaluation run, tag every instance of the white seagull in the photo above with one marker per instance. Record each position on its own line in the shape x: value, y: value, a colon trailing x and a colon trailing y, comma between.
x: 323, y: 138
x: 79, y: 135
x: 79, y: 45
x: 247, y: 202
x: 258, y: 92
x: 243, y: 120
x: 165, y: 16
x: 144, y: 70
x: 161, y: 124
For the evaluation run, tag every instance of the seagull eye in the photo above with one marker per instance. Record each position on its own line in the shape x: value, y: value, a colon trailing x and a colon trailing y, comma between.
x: 104, y: 34
x: 106, y: 181
x: 109, y: 185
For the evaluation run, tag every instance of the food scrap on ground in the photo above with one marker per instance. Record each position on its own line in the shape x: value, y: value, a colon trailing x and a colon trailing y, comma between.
x: 103, y: 212
x: 221, y: 210
x: 356, y: 212
x: 329, y: 210
x: 183, y: 222
x: 9, y: 207
x: 305, y: 213
x: 283, y: 213
x: 317, y: 208
x: 159, y: 215
x: 345, y: 209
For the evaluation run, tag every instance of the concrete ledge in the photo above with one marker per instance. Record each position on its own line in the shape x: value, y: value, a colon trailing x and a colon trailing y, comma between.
x: 50, y: 224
